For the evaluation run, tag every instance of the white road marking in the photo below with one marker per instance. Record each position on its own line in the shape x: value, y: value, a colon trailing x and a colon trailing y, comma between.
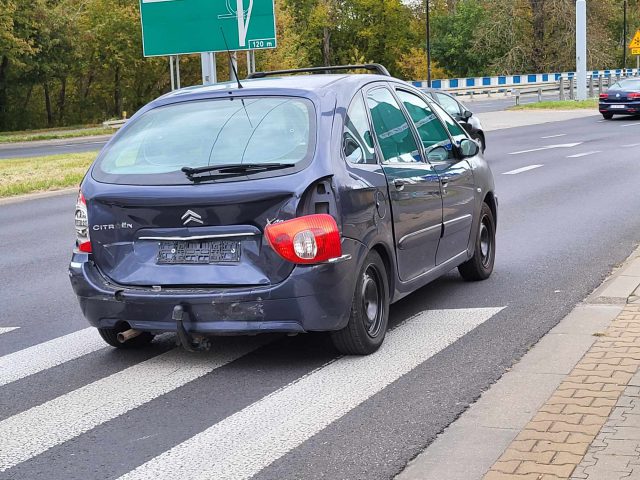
x: 29, y: 361
x: 7, y: 329
x: 40, y: 428
x: 548, y: 147
x: 555, y: 136
x: 523, y: 169
x: 631, y: 125
x: 631, y: 145
x: 242, y: 444
x: 584, y: 154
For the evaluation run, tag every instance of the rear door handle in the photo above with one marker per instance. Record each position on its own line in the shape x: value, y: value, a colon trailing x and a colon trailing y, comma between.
x: 399, y: 184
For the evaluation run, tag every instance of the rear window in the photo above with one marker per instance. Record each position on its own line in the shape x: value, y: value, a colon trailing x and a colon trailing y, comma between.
x: 229, y: 131
x: 630, y: 84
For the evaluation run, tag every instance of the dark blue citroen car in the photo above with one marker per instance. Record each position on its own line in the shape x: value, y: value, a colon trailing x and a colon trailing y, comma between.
x: 292, y: 204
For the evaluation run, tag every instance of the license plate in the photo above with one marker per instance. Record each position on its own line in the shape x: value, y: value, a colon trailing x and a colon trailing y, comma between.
x: 198, y: 252
x: 618, y: 106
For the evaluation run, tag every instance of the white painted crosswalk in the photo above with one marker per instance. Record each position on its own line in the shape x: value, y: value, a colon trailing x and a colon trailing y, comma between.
x: 40, y: 428
x: 243, y: 443
x: 48, y: 354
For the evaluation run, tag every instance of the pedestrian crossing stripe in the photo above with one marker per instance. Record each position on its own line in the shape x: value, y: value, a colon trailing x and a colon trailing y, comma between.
x: 291, y: 415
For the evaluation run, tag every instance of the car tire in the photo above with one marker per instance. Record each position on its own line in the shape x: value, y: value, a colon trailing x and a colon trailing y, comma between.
x: 480, y: 266
x: 369, y: 315
x: 110, y: 335
x: 607, y: 116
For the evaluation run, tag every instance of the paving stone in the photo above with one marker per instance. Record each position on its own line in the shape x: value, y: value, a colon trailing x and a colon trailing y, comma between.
x: 619, y: 447
x: 540, y: 468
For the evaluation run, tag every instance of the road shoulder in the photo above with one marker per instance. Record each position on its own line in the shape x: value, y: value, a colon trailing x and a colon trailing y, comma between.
x: 559, y: 411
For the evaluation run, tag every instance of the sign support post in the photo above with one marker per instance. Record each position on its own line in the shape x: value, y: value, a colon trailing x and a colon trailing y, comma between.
x: 209, y: 74
x: 581, y: 49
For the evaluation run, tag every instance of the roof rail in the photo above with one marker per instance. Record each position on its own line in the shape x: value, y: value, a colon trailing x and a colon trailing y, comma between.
x: 375, y: 67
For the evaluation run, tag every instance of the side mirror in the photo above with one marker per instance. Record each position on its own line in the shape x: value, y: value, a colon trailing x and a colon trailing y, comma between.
x: 438, y: 155
x: 469, y: 148
x: 467, y: 114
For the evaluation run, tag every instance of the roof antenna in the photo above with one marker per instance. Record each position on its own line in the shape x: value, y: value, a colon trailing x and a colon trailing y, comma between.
x: 231, y: 64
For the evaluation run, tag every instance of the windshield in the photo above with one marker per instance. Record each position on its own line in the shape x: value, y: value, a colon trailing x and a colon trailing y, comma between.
x: 630, y: 84
x: 235, y: 131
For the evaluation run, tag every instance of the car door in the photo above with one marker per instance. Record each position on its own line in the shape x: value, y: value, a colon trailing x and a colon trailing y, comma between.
x: 413, y: 185
x: 458, y: 194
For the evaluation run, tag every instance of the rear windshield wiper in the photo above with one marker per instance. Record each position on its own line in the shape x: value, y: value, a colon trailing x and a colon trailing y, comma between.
x: 214, y: 171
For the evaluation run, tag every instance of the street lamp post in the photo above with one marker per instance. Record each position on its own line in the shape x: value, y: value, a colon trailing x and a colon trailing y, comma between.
x: 624, y: 36
x: 428, y: 46
x: 581, y: 49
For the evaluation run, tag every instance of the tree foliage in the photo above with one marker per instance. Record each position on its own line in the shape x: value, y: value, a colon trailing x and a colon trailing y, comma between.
x: 65, y: 62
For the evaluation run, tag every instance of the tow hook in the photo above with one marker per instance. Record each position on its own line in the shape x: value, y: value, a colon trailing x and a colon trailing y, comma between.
x: 184, y: 338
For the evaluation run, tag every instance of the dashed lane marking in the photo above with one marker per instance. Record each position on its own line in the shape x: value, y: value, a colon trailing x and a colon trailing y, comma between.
x: 523, y: 169
x: 547, y: 147
x: 555, y: 136
x: 7, y: 329
x: 244, y: 443
x: 584, y: 154
x: 631, y: 145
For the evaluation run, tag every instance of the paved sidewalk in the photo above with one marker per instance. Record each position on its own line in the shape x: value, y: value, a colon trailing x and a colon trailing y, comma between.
x: 570, y: 409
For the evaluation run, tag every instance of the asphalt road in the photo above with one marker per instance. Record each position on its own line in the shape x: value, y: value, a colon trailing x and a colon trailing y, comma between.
x: 288, y: 407
x: 44, y: 148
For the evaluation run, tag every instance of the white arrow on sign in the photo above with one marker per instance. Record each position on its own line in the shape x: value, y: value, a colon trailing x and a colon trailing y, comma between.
x: 548, y: 147
x: 243, y: 23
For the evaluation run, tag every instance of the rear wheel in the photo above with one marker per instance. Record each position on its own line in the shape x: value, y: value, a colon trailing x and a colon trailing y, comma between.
x: 607, y: 116
x: 110, y: 335
x: 480, y: 266
x: 369, y: 315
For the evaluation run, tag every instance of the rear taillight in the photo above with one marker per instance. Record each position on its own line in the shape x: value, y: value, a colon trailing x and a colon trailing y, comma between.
x: 634, y: 96
x: 308, y: 239
x: 83, y: 242
x: 604, y: 96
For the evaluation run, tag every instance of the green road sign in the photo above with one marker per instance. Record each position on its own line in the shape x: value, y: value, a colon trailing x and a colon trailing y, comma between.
x: 176, y: 27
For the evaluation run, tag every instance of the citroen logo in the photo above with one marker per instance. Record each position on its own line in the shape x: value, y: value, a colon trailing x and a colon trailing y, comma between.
x: 617, y: 95
x: 191, y: 216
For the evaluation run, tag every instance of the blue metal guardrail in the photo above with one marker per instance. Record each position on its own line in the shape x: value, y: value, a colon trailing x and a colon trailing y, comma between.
x: 520, y: 80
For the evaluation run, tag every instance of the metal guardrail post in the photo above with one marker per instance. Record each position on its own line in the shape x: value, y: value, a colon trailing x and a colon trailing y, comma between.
x: 561, y: 88
x: 600, y: 82
x: 572, y: 93
x: 590, y: 86
x: 539, y: 94
x: 516, y: 94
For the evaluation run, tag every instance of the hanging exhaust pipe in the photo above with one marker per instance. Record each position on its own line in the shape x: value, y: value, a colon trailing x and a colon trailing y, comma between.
x: 128, y: 335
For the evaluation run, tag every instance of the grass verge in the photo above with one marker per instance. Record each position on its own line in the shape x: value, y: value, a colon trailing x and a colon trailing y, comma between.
x: 38, y: 174
x: 29, y: 136
x: 559, y: 105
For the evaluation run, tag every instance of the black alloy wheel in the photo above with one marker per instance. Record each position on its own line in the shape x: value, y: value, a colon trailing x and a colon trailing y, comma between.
x: 369, y: 315
x: 480, y: 266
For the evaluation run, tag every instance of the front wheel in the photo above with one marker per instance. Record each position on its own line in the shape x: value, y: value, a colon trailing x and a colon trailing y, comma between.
x: 480, y: 266
x: 607, y: 116
x: 369, y: 315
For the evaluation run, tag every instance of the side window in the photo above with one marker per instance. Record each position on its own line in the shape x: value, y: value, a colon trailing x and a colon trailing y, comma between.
x: 394, y: 134
x: 431, y: 131
x: 449, y: 104
x: 456, y: 131
x: 357, y: 143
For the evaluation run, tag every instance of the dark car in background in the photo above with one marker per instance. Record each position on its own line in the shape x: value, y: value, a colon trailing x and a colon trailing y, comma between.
x: 293, y: 204
x: 461, y: 113
x: 622, y: 98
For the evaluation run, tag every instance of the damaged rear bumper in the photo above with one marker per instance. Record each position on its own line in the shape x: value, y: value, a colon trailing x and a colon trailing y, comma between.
x: 312, y: 298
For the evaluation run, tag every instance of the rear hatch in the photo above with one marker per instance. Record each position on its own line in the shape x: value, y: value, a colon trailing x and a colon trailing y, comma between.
x: 181, y: 197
